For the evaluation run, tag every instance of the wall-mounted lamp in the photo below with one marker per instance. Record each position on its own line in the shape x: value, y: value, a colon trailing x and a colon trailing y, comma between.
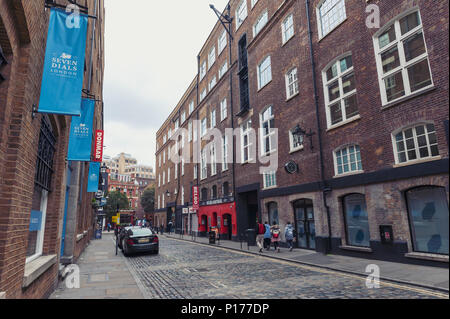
x: 298, y: 131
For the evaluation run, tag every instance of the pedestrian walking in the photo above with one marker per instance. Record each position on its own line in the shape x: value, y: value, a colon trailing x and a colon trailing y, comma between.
x: 109, y: 227
x: 289, y: 234
x: 261, y: 230
x: 170, y: 227
x: 276, y: 236
x: 267, y: 236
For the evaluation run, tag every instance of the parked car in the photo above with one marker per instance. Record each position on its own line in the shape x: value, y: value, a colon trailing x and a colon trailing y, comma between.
x: 138, y: 239
x: 121, y: 235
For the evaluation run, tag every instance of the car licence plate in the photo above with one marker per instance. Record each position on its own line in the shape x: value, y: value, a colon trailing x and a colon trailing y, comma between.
x: 144, y: 241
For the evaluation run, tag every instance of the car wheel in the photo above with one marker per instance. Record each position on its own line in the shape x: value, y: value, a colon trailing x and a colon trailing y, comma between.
x: 125, y: 249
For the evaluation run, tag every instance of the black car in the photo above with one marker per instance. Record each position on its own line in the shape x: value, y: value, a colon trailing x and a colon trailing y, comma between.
x: 137, y: 239
x: 121, y: 234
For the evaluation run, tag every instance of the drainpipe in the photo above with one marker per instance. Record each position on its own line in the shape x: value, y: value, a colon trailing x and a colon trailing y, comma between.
x: 324, y: 187
x: 92, y: 47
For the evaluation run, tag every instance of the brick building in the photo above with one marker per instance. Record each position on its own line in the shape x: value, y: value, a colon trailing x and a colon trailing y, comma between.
x: 34, y: 173
x: 354, y: 116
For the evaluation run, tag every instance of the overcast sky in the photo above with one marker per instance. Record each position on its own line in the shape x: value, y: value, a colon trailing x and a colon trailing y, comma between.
x: 151, y: 58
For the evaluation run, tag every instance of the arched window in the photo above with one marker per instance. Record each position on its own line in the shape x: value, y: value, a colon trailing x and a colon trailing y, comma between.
x: 204, y: 194
x: 356, y: 220
x: 428, y: 216
x: 272, y: 209
x: 214, y: 192
x: 226, y: 189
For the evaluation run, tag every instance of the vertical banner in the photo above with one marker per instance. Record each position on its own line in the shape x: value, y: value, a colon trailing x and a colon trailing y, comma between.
x: 62, y: 79
x: 195, y: 198
x: 94, y: 174
x: 98, y: 146
x: 80, y: 140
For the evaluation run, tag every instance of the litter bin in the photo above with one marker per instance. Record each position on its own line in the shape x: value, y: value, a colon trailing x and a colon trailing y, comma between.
x: 251, y: 237
x: 98, y: 234
x: 212, y: 237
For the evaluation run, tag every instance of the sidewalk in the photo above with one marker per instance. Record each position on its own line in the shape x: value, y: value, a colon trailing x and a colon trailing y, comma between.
x: 103, y: 275
x: 423, y: 276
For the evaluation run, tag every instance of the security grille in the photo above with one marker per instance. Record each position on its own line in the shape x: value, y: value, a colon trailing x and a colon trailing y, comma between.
x: 46, y: 152
x: 2, y: 63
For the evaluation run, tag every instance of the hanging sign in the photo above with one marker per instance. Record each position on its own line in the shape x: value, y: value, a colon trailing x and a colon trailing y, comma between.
x: 94, y: 174
x: 80, y: 141
x: 195, y: 198
x: 98, y: 153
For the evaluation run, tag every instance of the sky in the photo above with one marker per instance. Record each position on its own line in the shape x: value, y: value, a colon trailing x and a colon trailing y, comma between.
x: 151, y: 50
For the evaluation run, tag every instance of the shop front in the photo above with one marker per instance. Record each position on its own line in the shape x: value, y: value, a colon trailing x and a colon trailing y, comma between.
x: 220, y: 216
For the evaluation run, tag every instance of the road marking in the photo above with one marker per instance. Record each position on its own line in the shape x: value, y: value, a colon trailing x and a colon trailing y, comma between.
x: 331, y: 272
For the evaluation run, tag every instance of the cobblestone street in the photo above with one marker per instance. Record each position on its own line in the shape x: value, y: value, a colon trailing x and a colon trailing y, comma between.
x: 188, y: 270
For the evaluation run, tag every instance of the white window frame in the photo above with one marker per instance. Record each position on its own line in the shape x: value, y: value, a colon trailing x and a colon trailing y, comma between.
x: 291, y: 143
x: 241, y: 13
x: 253, y: 3
x: 203, y: 94
x: 168, y: 175
x: 272, y: 177
x: 190, y: 131
x: 320, y: 23
x: 195, y: 171
x: 404, y: 65
x: 212, y: 83
x: 202, y: 70
x: 225, y: 153
x: 342, y: 97
x: 293, y: 83
x: 40, y: 235
x: 204, y: 126
x: 191, y: 107
x: 286, y: 28
x: 223, y: 110
x: 213, y: 119
x: 223, y: 69
x: 222, y: 42
x: 211, y: 57
x: 183, y: 117
x: 349, y: 162
x: 213, y: 159
x: 266, y: 73
x: 246, y: 128
x: 203, y: 165
x: 260, y: 23
x: 271, y: 133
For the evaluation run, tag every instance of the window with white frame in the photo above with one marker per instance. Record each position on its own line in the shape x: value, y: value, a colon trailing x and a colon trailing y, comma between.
x: 164, y: 157
x: 254, y: 2
x: 330, y: 14
x: 287, y: 28
x: 213, y: 118
x: 270, y: 179
x: 182, y: 166
x: 246, y: 141
x: 191, y: 107
x: 159, y: 160
x: 211, y: 57
x: 212, y: 83
x: 225, y: 153
x: 295, y: 141
x: 415, y: 143
x: 176, y: 171
x: 159, y: 201
x: 204, y: 127
x: 213, y: 159
x: 203, y: 164
x: 268, y: 143
x: 402, y: 59
x: 348, y: 160
x: 177, y: 124
x: 182, y: 195
x: 168, y: 175
x: 223, y: 70
x: 164, y: 178
x: 190, y: 131
x: 264, y: 73
x: 195, y: 131
x: 223, y: 110
x: 340, y: 91
x: 159, y: 180
x: 183, y: 117
x: 164, y: 139
x: 203, y: 94
x: 195, y: 171
x: 163, y: 201
x: 202, y: 70
x: 241, y: 13
x: 222, y: 42
x: 291, y: 83
x: 260, y: 23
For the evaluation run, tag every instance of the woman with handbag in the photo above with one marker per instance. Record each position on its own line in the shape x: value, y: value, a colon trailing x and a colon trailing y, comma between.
x: 276, y: 236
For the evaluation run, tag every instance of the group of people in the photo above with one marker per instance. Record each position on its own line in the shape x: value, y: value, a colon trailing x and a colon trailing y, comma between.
x: 271, y: 235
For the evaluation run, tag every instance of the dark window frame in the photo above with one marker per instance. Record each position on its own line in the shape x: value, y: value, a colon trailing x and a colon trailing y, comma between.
x: 344, y: 214
x: 45, y: 155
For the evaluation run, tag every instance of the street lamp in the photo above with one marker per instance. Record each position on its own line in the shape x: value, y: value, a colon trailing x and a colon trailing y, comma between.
x: 299, y: 132
x: 167, y: 193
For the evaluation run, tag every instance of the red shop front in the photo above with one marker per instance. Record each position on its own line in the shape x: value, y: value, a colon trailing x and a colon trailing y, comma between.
x: 222, y: 216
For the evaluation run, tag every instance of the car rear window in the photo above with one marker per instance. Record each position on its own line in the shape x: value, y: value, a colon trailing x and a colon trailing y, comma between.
x: 141, y: 232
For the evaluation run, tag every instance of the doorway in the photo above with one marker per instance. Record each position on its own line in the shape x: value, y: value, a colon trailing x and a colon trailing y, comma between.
x: 305, y: 224
x: 227, y: 226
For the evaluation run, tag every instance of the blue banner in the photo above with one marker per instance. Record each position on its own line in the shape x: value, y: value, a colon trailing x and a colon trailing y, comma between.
x: 94, y: 173
x: 62, y: 79
x: 80, y: 140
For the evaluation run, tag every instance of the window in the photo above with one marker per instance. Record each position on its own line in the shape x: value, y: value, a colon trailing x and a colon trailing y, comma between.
x: 260, y: 23
x: 213, y: 119
x: 273, y: 213
x: 212, y: 83
x: 195, y: 171
x: 340, y: 92
x: 415, y: 143
x: 182, y: 166
x: 347, y: 160
x: 204, y: 168
x: 164, y: 157
x: 222, y: 42
x: 204, y: 194
x: 176, y: 171
x: 264, y: 73
x: 182, y: 195
x: 177, y: 124
x: 246, y: 142
x: 159, y: 201
x: 204, y: 127
x: 164, y: 178
x: 213, y: 160
x: 202, y: 70
x: 214, y: 192
x: 287, y: 28
x: 402, y: 59
x: 191, y: 107
x: 268, y: 142
x: 2, y: 62
x: 356, y: 220
x: 270, y: 179
x: 330, y: 14
x: 296, y: 141
x: 211, y: 57
x: 226, y: 189
x: 159, y: 180
x: 291, y: 83
x: 254, y: 2
x: 203, y: 94
x: 159, y: 160
x: 169, y: 134
x: 190, y: 131
x: 163, y: 201
x: 223, y: 70
x: 183, y: 117
x: 241, y: 13
x: 428, y: 216
x: 225, y: 153
x: 168, y: 175
x: 164, y: 139
x: 223, y: 109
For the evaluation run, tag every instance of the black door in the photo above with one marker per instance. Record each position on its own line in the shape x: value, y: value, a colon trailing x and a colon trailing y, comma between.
x: 305, y: 224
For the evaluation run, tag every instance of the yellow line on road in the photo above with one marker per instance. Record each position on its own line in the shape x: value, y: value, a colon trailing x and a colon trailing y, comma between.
x: 319, y: 269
